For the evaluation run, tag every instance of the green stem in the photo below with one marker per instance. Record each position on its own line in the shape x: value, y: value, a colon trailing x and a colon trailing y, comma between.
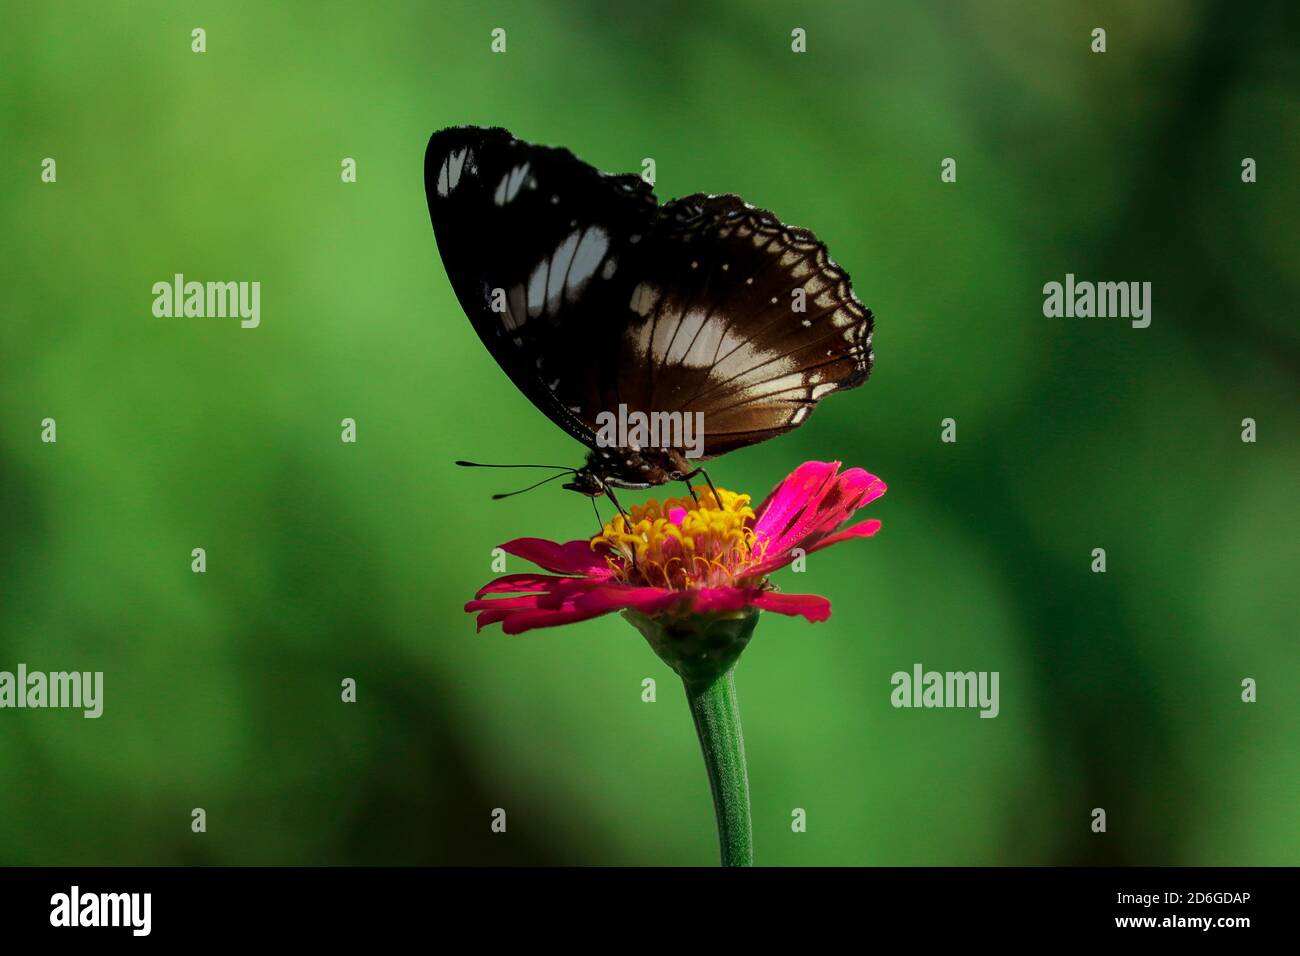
x: 703, y: 649
x: 717, y: 721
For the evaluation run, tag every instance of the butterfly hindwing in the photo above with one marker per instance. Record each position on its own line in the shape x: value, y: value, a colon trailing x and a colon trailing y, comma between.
x: 743, y: 319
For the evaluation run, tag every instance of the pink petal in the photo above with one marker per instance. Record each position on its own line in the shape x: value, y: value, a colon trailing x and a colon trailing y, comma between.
x: 497, y: 611
x: 553, y: 593
x: 510, y: 603
x: 852, y: 491
x: 645, y: 599
x: 804, y: 520
x: 488, y: 617
x: 863, y: 529
x: 519, y: 583
x: 572, y: 557
x: 558, y: 594
x: 569, y: 612
x: 814, y: 607
x: 720, y: 600
x: 524, y: 619
x: 532, y: 620
x: 825, y: 503
x: 571, y: 604
x: 788, y: 498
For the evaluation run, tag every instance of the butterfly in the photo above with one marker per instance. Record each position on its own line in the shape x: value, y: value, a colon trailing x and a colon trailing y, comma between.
x: 598, y: 302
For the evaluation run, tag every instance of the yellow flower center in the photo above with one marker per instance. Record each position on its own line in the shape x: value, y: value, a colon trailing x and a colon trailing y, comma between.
x: 683, y: 544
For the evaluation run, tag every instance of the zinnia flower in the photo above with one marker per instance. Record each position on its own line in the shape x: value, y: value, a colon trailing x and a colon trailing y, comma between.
x: 681, y: 557
x: 692, y: 575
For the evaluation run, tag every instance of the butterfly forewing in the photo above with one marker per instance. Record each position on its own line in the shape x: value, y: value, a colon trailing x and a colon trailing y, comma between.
x: 532, y: 239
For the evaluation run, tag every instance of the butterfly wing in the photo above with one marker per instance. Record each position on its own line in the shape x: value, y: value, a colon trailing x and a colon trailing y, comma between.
x: 532, y: 238
x: 743, y: 319
x: 591, y: 296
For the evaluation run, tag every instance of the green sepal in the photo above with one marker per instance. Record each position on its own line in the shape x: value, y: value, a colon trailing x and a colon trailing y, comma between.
x: 699, y: 647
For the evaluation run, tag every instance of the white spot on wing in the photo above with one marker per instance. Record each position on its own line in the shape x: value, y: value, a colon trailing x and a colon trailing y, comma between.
x: 559, y: 266
x: 691, y: 323
x: 537, y: 289
x: 663, y: 334
x: 750, y: 366
x: 783, y: 383
x: 455, y: 163
x: 585, y: 261
x: 706, y: 345
x: 516, y: 181
x: 644, y: 298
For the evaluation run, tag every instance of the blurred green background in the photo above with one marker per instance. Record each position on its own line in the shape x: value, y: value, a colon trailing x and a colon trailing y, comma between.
x: 326, y: 560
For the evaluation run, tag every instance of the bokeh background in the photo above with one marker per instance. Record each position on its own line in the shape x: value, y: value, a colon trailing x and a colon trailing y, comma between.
x: 326, y: 560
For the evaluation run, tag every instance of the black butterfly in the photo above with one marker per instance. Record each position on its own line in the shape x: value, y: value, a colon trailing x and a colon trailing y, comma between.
x: 593, y: 297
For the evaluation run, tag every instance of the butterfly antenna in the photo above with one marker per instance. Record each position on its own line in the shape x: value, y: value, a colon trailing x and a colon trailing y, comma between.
x: 511, y: 494
x: 479, y: 464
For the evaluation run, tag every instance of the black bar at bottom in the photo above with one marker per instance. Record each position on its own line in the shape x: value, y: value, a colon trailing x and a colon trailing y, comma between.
x: 333, y: 906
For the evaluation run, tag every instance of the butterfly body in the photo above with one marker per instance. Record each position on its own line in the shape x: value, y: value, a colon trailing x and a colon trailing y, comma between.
x: 593, y: 298
x: 629, y: 468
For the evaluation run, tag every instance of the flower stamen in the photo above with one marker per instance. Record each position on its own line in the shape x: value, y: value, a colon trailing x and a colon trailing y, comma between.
x: 683, y: 543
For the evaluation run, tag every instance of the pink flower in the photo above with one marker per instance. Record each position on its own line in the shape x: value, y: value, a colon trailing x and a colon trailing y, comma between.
x: 686, y: 557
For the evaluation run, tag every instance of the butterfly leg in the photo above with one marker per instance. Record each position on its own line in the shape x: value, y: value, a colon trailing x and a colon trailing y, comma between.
x: 627, y: 519
x: 609, y: 493
x: 709, y: 481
